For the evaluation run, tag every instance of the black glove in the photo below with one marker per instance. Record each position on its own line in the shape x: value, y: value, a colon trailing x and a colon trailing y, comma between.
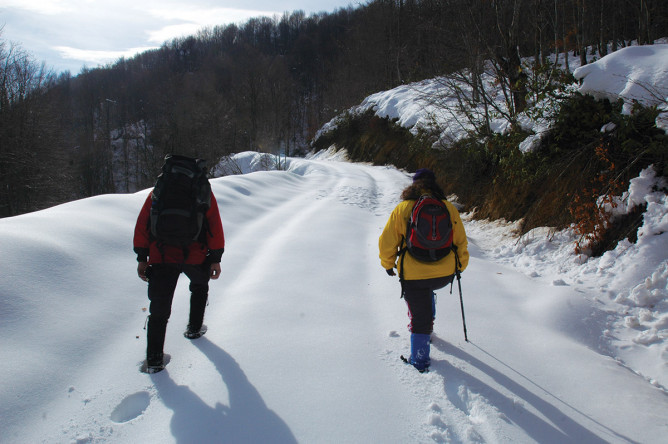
x: 213, y: 256
x: 390, y: 272
x: 142, y: 254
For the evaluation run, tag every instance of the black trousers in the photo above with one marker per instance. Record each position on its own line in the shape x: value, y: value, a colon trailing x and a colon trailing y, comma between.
x: 162, y: 280
x: 419, y: 298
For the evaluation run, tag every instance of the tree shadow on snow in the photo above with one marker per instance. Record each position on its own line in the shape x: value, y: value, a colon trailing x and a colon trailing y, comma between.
x: 246, y: 419
x: 557, y: 427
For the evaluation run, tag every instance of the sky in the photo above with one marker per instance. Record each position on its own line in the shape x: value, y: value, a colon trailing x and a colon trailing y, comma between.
x: 71, y: 34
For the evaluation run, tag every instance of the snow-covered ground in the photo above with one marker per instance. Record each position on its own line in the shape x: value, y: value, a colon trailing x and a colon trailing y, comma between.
x: 306, y: 329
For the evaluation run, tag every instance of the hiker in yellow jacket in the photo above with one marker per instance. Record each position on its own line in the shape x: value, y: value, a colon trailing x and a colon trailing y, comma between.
x: 420, y: 278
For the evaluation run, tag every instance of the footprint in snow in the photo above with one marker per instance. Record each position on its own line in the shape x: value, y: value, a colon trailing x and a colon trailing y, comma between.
x: 131, y: 407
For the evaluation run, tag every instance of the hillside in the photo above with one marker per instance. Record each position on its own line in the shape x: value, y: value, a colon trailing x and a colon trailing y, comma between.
x: 562, y: 162
x: 269, y: 84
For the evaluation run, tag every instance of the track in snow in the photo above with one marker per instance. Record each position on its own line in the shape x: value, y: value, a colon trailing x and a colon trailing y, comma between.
x: 305, y: 333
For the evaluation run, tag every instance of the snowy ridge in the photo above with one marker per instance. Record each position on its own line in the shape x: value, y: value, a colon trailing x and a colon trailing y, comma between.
x: 306, y: 329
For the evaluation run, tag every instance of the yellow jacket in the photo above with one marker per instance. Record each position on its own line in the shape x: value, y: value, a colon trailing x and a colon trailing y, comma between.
x: 392, y: 240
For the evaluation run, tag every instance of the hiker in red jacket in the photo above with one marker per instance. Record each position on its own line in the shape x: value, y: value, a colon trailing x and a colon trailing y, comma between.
x: 160, y: 264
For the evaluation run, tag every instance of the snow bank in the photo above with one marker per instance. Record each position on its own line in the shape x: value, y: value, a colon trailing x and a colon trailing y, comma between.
x: 630, y: 282
x: 246, y: 162
x: 406, y: 103
x: 634, y: 74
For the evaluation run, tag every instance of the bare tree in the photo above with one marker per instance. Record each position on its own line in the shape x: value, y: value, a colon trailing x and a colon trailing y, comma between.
x: 32, y: 169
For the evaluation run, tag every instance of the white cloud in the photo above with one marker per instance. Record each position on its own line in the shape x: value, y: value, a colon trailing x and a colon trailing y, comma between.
x: 170, y: 32
x: 100, y: 31
x: 48, y: 7
x: 178, y: 20
x: 208, y: 16
x: 196, y: 19
x: 96, y: 57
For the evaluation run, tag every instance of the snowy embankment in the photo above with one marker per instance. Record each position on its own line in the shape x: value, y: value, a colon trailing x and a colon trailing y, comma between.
x: 633, y: 74
x: 306, y: 329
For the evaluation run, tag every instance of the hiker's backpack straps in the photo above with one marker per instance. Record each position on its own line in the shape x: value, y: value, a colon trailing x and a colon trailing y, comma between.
x: 402, y: 253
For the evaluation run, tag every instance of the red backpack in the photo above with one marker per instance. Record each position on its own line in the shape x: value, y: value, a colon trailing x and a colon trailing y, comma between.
x: 429, y: 233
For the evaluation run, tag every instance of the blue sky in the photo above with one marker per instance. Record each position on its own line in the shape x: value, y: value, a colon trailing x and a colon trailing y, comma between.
x: 71, y: 34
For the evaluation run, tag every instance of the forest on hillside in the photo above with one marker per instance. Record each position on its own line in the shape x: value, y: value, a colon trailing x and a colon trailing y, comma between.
x: 269, y: 84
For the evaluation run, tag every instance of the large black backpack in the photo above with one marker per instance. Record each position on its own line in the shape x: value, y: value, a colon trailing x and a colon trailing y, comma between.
x: 429, y: 233
x: 181, y: 198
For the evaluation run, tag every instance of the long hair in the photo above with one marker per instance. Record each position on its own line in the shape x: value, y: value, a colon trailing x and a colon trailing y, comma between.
x: 421, y: 187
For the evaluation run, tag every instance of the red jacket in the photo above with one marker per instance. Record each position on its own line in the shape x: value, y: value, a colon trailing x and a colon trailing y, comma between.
x: 147, y: 248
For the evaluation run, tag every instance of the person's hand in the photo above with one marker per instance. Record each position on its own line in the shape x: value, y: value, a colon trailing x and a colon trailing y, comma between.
x: 214, y: 271
x: 390, y: 272
x: 141, y: 270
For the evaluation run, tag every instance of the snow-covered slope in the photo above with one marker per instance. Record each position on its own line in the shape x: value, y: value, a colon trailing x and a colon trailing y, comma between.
x: 635, y: 73
x: 305, y: 330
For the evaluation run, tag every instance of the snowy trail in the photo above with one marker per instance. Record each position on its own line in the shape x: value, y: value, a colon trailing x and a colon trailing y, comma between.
x: 305, y: 331
x: 312, y: 308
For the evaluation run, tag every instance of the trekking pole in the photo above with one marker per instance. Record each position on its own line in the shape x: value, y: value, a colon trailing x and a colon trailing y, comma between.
x: 461, y: 298
x: 461, y: 303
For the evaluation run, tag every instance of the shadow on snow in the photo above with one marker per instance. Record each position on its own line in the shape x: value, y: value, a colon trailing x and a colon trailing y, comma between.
x: 246, y: 419
x: 557, y: 427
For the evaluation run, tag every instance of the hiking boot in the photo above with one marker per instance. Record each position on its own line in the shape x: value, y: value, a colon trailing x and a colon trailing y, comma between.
x: 194, y: 333
x: 420, y: 346
x: 155, y: 362
x: 422, y: 368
